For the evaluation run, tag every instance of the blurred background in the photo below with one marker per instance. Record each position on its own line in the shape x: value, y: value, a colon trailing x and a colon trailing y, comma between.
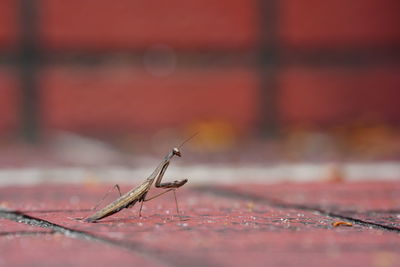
x: 88, y: 83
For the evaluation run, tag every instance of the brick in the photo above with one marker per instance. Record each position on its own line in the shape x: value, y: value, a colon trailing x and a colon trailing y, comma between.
x: 8, y: 24
x: 375, y: 201
x: 339, y: 23
x: 117, y: 99
x: 354, y: 197
x: 9, y: 101
x: 55, y: 249
x: 337, y: 95
x: 75, y: 24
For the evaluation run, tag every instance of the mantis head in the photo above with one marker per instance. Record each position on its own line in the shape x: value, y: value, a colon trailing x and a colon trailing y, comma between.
x: 175, y: 151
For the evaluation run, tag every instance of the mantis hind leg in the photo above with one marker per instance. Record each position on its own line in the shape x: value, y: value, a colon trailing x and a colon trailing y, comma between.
x: 104, y: 197
x: 141, y: 200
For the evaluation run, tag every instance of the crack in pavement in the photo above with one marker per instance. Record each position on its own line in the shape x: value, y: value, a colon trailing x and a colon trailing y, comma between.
x: 222, y: 192
x: 162, y: 257
x: 55, y: 211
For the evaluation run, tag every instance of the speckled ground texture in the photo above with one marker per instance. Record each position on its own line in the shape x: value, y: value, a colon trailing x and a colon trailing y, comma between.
x: 283, y: 224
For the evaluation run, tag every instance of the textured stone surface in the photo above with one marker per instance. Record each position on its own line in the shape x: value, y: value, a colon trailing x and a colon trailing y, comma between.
x: 258, y: 225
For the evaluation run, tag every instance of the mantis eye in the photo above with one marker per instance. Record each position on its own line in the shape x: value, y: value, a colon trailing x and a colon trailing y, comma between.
x: 176, y: 151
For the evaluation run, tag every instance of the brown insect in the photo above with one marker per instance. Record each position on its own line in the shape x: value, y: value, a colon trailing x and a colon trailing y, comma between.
x: 139, y: 193
x: 339, y: 223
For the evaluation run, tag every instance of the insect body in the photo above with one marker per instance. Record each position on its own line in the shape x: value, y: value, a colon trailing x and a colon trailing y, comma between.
x: 138, y: 194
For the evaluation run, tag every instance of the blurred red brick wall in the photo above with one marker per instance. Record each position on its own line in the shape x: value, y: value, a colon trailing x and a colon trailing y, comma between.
x: 9, y: 101
x: 8, y: 83
x: 117, y: 97
x: 127, y: 24
x: 339, y: 23
x: 128, y: 98
x: 8, y: 24
x: 341, y: 95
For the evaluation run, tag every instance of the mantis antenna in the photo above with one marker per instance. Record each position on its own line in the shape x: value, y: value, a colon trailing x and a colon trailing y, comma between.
x: 187, y: 140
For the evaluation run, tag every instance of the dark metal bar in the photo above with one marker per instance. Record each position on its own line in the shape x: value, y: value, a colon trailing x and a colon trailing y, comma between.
x: 342, y: 57
x: 28, y: 64
x: 269, y: 61
x: 326, y: 57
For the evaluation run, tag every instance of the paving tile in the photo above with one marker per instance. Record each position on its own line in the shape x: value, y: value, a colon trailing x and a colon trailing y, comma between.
x: 214, y: 229
x: 390, y: 219
x: 58, y: 250
x: 342, y: 196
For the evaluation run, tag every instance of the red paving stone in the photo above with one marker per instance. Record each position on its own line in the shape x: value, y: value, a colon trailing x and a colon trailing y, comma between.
x: 216, y: 228
x: 343, y: 196
x: 58, y: 250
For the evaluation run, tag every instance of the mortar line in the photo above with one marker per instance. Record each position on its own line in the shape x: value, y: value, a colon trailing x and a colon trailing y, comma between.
x: 280, y: 204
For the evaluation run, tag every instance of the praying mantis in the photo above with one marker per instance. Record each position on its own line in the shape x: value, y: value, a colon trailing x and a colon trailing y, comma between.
x: 139, y: 193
